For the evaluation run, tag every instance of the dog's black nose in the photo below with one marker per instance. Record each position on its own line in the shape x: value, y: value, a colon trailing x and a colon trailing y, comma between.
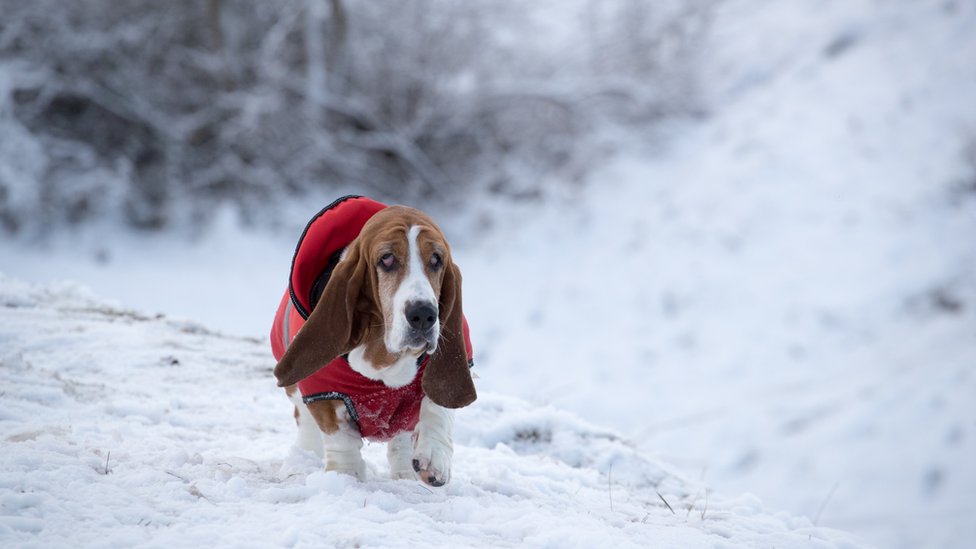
x: 421, y: 315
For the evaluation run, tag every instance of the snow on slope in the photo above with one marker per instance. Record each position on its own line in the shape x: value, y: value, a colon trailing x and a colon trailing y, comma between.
x: 782, y: 300
x: 118, y: 429
x: 785, y: 297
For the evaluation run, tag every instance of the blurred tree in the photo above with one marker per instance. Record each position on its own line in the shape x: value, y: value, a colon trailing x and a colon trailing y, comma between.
x: 157, y: 111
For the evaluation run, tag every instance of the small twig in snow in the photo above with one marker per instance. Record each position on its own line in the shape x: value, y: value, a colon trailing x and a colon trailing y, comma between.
x: 107, y: 470
x: 666, y: 504
x: 692, y: 506
x: 177, y: 476
x: 823, y: 505
x: 705, y: 508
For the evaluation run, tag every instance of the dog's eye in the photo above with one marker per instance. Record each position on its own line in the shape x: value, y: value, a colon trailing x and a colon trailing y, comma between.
x: 388, y: 262
x: 436, y: 261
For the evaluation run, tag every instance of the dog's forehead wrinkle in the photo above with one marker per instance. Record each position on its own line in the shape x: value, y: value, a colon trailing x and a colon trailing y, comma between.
x: 398, y: 217
x: 390, y: 245
x: 401, y: 217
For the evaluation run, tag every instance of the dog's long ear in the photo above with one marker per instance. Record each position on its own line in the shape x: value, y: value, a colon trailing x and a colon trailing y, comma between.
x: 329, y: 330
x: 447, y: 378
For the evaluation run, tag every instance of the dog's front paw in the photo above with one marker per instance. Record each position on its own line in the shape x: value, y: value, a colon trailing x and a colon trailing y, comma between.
x: 432, y: 461
x: 353, y: 467
x: 403, y: 474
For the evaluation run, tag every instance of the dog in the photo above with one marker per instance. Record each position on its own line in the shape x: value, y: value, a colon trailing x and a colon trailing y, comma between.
x: 371, y: 341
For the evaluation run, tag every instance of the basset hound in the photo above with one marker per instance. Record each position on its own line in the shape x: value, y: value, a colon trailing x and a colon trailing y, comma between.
x: 371, y: 341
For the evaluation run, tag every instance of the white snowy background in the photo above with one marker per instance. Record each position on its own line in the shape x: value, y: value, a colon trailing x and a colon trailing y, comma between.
x: 774, y: 300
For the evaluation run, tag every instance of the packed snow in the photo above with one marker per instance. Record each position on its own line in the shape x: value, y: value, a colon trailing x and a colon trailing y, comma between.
x: 121, y: 429
x: 777, y: 299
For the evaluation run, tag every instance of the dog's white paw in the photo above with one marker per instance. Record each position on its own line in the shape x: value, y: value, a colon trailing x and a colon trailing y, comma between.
x: 346, y: 466
x: 404, y: 474
x: 298, y: 462
x: 358, y: 472
x: 432, y: 461
x: 399, y: 452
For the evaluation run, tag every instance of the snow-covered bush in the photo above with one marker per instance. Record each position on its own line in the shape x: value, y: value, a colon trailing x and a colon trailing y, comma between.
x: 156, y: 111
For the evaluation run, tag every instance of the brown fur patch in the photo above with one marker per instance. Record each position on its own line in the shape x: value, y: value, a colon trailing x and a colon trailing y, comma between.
x: 325, y: 414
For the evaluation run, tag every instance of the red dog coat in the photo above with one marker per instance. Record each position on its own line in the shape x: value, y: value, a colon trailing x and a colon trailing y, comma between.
x: 379, y: 411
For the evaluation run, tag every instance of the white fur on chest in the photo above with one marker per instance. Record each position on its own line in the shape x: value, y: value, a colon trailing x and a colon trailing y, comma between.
x: 396, y: 375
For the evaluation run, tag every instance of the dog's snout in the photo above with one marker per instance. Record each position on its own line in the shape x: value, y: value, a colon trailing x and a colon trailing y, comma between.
x: 421, y: 315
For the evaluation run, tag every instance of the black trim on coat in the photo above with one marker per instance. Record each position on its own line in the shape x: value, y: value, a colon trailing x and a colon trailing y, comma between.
x: 333, y: 395
x: 291, y: 288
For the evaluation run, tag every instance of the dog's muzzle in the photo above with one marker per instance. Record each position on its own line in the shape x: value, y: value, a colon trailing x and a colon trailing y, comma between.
x: 421, y: 318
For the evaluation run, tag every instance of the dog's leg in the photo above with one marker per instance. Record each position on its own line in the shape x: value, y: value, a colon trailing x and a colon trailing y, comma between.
x: 433, y: 443
x: 342, y: 453
x: 399, y: 452
x: 341, y: 438
x: 309, y: 434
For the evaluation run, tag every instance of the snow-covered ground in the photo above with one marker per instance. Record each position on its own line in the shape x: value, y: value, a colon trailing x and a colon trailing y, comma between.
x: 780, y: 299
x: 120, y: 429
